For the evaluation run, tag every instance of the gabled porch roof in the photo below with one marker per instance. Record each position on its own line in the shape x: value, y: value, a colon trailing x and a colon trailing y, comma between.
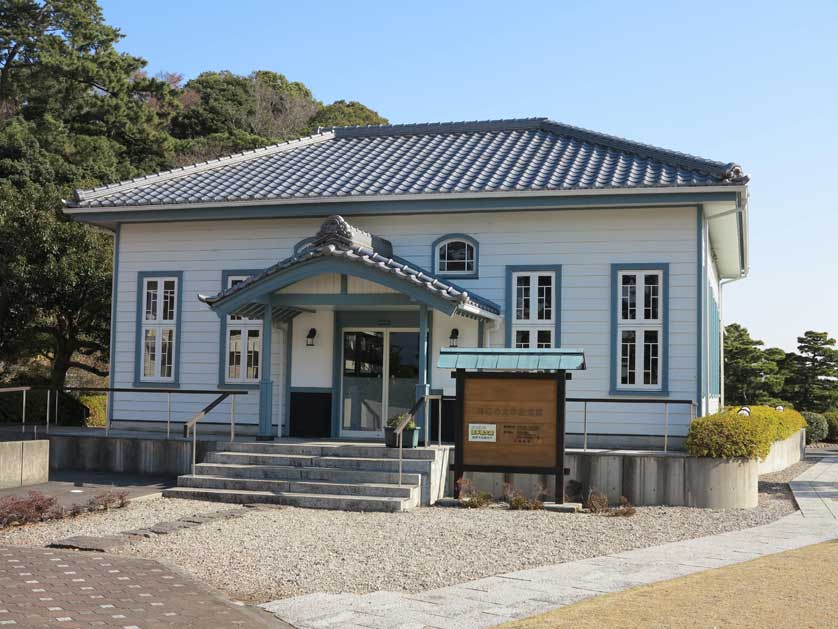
x: 343, y: 249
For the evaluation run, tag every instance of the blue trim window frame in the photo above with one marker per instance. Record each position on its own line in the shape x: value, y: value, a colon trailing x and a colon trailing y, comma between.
x: 469, y: 259
x: 246, y: 326
x: 159, y: 315
x: 640, y: 329
x: 533, y: 305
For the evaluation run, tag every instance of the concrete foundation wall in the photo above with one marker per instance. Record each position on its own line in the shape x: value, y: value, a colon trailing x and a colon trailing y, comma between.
x: 116, y: 454
x: 24, y: 463
x: 784, y: 453
x: 654, y: 478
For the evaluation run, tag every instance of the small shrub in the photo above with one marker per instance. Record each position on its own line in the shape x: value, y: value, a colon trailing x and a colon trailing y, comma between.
x: 574, y: 491
x: 472, y: 497
x: 34, y: 507
x: 98, y: 407
x: 517, y: 501
x: 832, y: 426
x: 727, y: 435
x: 395, y: 420
x: 626, y: 509
x: 597, y: 502
x: 816, y: 427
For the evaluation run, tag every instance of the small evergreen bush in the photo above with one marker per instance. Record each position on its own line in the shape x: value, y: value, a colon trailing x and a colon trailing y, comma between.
x: 832, y: 426
x: 816, y: 427
x: 728, y: 435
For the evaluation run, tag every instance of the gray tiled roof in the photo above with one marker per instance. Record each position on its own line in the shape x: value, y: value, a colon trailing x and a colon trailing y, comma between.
x: 328, y: 243
x: 526, y: 155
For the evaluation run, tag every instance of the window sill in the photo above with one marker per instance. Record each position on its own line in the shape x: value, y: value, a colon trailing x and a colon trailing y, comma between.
x: 232, y: 386
x: 646, y: 392
x: 454, y: 276
x: 156, y: 384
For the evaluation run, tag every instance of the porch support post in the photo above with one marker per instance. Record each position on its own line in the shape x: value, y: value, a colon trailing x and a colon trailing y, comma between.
x: 265, y: 383
x: 423, y: 387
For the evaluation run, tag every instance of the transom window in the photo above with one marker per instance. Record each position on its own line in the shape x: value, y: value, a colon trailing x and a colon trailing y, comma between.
x: 455, y: 256
x: 244, y: 345
x: 533, y: 319
x: 159, y: 328
x: 639, y: 329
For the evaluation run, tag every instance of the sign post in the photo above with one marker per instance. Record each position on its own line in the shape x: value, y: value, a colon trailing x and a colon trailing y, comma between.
x: 510, y: 422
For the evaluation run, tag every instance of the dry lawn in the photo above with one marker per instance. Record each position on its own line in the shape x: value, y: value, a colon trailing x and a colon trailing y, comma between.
x: 798, y: 588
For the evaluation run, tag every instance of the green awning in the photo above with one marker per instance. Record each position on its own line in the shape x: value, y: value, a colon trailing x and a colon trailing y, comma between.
x: 510, y: 359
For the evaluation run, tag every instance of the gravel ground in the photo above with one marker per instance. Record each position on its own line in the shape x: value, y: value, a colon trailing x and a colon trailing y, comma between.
x: 138, y: 514
x: 276, y: 553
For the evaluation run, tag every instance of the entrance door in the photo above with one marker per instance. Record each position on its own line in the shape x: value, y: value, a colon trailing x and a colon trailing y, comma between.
x: 380, y: 373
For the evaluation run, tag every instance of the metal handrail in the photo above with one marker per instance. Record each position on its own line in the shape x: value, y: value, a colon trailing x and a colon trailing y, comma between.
x: 168, y: 391
x: 192, y: 424
x: 666, y: 403
x: 399, y: 430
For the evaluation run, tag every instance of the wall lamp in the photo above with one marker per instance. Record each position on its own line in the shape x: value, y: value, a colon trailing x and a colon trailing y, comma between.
x: 310, y: 337
x: 454, y: 339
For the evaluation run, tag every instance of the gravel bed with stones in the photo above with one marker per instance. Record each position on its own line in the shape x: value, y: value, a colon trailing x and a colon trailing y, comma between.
x: 276, y: 553
x: 138, y: 514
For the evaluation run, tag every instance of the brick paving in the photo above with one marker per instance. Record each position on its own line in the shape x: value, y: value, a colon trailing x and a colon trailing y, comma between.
x: 47, y: 587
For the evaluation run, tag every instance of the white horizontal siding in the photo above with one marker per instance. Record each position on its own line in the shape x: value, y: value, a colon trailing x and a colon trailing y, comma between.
x: 585, y: 243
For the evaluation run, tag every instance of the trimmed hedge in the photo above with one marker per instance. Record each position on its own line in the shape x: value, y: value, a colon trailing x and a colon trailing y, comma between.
x: 728, y: 435
x: 832, y: 424
x: 816, y: 427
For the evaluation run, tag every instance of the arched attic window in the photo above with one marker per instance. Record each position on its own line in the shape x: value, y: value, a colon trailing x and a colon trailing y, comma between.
x: 456, y: 255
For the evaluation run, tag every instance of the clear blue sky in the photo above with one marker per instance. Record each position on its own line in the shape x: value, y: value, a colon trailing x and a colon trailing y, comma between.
x: 750, y: 82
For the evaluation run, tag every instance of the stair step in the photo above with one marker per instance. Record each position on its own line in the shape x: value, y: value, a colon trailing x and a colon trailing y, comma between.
x: 301, y: 460
x: 305, y: 487
x: 306, y: 500
x: 331, y: 450
x: 283, y: 472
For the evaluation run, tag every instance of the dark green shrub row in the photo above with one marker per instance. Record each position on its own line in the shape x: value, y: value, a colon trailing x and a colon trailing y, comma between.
x: 728, y: 435
x: 816, y: 427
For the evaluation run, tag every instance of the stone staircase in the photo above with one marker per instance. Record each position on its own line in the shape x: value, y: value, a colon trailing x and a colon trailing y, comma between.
x: 318, y: 475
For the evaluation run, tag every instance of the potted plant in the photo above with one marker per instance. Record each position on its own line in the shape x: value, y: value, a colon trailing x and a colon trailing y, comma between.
x: 410, y: 434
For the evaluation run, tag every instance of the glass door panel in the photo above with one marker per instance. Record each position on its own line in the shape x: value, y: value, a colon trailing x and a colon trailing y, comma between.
x: 363, y: 382
x: 403, y: 366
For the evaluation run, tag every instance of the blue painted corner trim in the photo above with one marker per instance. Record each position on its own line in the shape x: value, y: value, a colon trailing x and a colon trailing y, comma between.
x: 614, y: 353
x: 222, y: 337
x: 473, y: 275
x: 138, y: 345
x: 114, y: 286
x: 509, y: 296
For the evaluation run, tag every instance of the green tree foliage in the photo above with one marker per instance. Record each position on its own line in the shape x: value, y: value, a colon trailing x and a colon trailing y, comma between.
x: 752, y: 375
x: 344, y: 114
x: 806, y: 379
x: 812, y: 381
x: 55, y: 297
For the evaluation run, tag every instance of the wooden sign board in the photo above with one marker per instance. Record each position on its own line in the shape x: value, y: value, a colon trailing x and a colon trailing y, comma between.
x: 509, y: 422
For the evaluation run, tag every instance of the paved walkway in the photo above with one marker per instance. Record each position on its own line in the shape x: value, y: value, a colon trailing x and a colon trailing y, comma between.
x: 44, y: 587
x: 76, y: 487
x: 494, y: 600
x: 816, y: 489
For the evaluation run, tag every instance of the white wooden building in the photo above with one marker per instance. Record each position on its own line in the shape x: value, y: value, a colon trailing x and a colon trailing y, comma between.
x: 514, y: 233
